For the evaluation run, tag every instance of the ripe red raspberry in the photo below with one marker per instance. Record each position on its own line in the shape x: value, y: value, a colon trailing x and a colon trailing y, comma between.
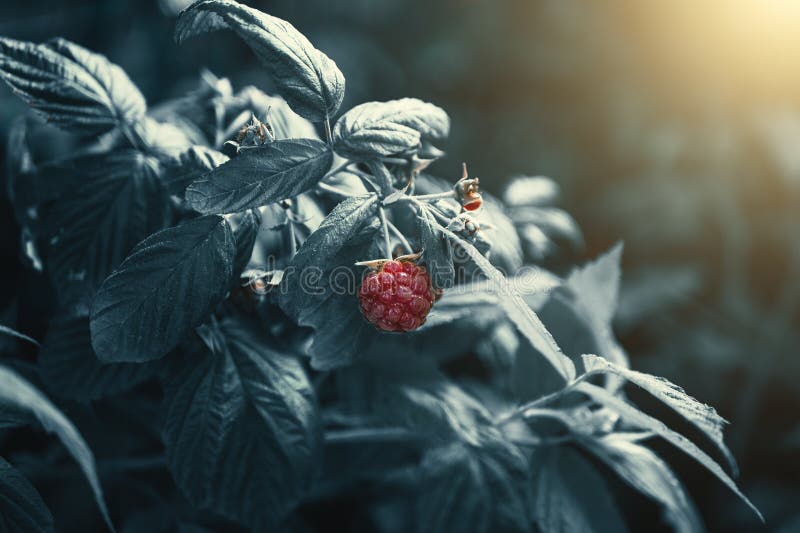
x: 397, y: 297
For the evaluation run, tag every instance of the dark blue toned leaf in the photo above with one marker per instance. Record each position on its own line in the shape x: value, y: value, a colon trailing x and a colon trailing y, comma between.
x: 169, y: 285
x: 181, y: 171
x: 70, y: 86
x: 116, y: 200
x: 377, y: 129
x: 437, y: 251
x: 569, y: 494
x: 18, y: 394
x: 261, y: 175
x: 70, y: 369
x: 241, y: 430
x: 307, y: 79
x: 471, y: 489
x: 21, y: 506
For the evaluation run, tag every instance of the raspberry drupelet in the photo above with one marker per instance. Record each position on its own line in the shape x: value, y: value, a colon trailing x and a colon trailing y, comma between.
x: 397, y: 297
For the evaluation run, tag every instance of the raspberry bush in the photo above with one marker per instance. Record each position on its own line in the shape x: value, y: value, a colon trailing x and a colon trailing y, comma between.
x: 311, y: 331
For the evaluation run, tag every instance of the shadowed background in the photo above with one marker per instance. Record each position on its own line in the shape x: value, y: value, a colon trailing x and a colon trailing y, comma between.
x: 673, y: 126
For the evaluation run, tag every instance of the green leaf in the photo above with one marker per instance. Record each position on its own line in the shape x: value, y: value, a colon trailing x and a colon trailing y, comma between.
x: 261, y: 175
x: 309, y: 80
x: 466, y: 489
x: 634, y: 416
x: 569, y: 494
x: 643, y: 470
x: 168, y: 286
x: 702, y: 416
x: 117, y: 201
x: 16, y: 393
x: 518, y: 311
x: 21, y: 506
x: 181, y: 171
x: 241, y: 429
x: 377, y: 129
x: 75, y: 89
x: 70, y: 368
x: 437, y: 252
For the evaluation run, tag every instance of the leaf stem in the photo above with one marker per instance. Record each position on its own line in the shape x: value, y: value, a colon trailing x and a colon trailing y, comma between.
x: 436, y: 196
x: 397, y: 233
x: 292, y: 240
x: 386, y: 241
x: 369, y: 435
x: 328, y: 134
x: 333, y: 190
x: 533, y: 405
x: 336, y: 170
x: 5, y: 330
x: 129, y: 135
x: 421, y: 205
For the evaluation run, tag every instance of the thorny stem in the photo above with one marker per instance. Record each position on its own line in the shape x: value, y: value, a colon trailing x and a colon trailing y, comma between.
x: 400, y: 236
x: 387, y: 243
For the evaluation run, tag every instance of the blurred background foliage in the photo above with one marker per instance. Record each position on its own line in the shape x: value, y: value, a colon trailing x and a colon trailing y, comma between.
x: 673, y: 126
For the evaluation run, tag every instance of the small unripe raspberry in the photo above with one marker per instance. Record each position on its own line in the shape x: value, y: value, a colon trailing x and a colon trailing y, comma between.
x: 472, y: 202
x: 467, y: 191
x: 397, y: 297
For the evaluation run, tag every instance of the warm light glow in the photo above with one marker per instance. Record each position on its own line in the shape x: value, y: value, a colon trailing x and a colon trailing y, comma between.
x: 742, y: 48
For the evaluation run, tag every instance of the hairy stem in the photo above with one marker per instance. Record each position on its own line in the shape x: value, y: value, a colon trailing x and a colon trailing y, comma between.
x: 436, y: 196
x: 533, y: 405
x: 336, y: 170
x: 386, y: 241
x: 332, y: 190
x: 369, y: 435
x: 292, y: 240
x: 328, y: 135
x: 402, y: 238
